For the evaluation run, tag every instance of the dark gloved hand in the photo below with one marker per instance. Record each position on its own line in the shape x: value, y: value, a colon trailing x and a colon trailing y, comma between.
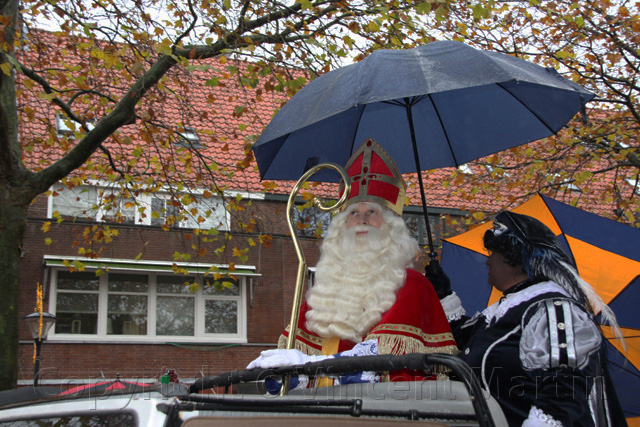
x: 438, y: 279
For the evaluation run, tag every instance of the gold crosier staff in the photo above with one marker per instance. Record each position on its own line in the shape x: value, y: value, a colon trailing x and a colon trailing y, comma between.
x: 302, y: 264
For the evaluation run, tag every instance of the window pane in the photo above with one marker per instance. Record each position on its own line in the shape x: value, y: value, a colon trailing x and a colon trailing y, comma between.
x: 221, y: 317
x: 157, y: 205
x: 161, y: 209
x: 76, y: 313
x: 418, y: 229
x: 76, y: 202
x: 220, y: 287
x: 205, y: 213
x: 174, y: 284
x: 116, y: 208
x: 311, y: 221
x: 128, y: 282
x: 78, y: 281
x: 127, y: 315
x: 175, y: 316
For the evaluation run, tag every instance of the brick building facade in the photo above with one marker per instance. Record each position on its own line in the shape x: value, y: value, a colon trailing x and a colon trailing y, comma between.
x: 266, y: 281
x: 265, y: 301
x: 135, y: 319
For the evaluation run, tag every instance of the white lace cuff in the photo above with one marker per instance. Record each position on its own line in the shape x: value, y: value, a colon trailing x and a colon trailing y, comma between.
x: 365, y: 348
x: 537, y: 418
x: 452, y: 306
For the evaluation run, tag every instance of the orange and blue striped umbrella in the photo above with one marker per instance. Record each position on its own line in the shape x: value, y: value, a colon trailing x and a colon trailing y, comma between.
x: 607, y: 255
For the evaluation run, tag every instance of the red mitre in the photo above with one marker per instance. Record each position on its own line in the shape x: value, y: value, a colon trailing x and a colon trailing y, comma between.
x: 375, y: 177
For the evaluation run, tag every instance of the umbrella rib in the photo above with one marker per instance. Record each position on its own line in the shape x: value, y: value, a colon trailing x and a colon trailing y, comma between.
x: 444, y: 130
x: 271, y: 160
x: 355, y: 130
x: 393, y: 102
x: 413, y: 101
x: 623, y: 368
x: 527, y: 108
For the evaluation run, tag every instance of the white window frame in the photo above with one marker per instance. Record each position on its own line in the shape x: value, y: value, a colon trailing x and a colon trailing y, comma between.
x: 245, y: 278
x: 145, y: 201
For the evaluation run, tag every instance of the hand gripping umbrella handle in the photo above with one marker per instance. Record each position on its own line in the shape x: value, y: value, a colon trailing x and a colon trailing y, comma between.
x: 302, y: 265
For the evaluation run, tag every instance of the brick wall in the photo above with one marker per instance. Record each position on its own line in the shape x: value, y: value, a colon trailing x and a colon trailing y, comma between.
x: 266, y: 318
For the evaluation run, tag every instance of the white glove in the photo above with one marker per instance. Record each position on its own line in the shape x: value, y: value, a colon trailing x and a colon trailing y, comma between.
x: 282, y: 357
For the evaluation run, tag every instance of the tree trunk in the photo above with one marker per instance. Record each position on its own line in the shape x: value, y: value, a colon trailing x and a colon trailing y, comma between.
x: 13, y: 212
x: 13, y: 219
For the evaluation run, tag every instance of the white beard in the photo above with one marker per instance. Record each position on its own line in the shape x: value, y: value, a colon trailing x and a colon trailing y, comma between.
x: 357, y: 277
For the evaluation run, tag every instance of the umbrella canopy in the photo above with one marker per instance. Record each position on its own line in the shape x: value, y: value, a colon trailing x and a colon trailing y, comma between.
x: 436, y: 105
x: 459, y: 103
x: 607, y: 254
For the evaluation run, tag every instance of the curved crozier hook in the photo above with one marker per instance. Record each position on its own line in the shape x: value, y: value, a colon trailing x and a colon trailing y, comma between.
x: 302, y: 265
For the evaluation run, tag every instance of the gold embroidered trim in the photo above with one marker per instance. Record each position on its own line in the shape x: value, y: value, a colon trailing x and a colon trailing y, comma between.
x: 401, y: 344
x: 311, y: 338
x: 299, y: 345
x: 430, y: 338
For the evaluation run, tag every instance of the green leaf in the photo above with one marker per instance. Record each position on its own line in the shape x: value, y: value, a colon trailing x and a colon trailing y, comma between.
x: 213, y: 82
x: 306, y: 4
x: 478, y: 11
x: 423, y: 8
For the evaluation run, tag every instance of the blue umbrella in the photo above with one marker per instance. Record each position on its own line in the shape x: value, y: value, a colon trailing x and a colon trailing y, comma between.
x: 437, y: 105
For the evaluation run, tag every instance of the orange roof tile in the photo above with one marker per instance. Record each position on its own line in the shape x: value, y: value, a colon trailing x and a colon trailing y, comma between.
x: 227, y: 118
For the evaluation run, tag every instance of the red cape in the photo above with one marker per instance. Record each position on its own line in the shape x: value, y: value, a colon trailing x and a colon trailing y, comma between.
x: 415, y: 323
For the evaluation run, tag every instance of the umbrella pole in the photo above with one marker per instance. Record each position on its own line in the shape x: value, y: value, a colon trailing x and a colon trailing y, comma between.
x: 432, y: 252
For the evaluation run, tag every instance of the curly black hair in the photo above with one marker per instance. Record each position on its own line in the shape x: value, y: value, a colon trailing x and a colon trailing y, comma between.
x: 507, y: 245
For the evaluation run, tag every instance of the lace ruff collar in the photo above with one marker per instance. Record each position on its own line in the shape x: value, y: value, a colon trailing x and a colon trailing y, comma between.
x: 498, y: 309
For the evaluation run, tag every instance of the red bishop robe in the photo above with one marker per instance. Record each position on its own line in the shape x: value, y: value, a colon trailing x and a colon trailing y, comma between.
x: 415, y: 323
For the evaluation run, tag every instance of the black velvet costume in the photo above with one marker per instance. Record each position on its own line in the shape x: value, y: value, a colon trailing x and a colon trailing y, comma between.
x: 538, y: 348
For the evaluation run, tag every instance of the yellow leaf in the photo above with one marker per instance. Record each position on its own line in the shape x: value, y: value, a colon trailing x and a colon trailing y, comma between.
x: 6, y: 68
x: 46, y: 96
x: 269, y: 185
x: 48, y: 241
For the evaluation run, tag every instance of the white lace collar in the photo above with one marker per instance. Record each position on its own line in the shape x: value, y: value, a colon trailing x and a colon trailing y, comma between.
x: 498, y: 309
